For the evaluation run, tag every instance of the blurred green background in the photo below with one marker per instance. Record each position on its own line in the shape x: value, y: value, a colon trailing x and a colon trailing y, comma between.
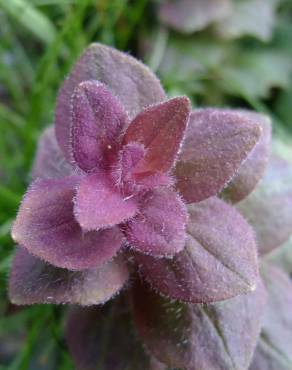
x: 39, y: 41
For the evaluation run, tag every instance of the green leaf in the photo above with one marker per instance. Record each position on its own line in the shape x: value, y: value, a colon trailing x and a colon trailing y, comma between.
x: 254, y: 73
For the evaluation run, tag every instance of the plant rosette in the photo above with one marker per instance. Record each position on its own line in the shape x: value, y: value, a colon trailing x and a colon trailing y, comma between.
x: 139, y: 208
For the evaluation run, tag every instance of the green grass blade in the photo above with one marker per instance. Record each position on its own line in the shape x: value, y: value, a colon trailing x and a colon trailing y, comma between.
x: 31, y: 18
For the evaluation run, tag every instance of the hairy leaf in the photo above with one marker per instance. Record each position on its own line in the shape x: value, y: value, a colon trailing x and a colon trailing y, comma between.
x: 217, y: 142
x: 159, y: 227
x: 98, y: 203
x: 128, y: 79
x: 35, y: 281
x: 97, y: 122
x: 253, y: 168
x: 218, y: 262
x: 219, y: 336
x: 46, y: 227
x: 160, y: 129
x: 127, y: 180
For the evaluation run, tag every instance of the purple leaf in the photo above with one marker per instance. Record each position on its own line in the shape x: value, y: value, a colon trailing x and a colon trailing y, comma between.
x: 218, y: 336
x: 46, y: 227
x: 274, y: 346
x: 35, y: 281
x: 128, y: 79
x: 269, y: 208
x: 218, y: 262
x: 98, y: 204
x: 159, y: 227
x: 130, y: 155
x: 160, y: 129
x: 193, y: 15
x: 130, y: 182
x: 49, y: 161
x: 97, y: 123
x: 217, y: 142
x: 104, y: 338
x: 252, y: 170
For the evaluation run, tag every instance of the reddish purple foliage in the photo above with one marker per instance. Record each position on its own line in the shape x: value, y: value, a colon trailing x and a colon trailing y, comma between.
x: 97, y: 123
x: 215, y: 336
x: 97, y: 200
x: 129, y: 188
x: 214, y: 231
x: 217, y: 142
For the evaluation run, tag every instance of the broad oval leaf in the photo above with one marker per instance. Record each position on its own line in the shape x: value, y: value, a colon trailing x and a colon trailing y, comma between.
x: 192, y: 15
x: 104, y: 338
x: 253, y: 168
x: 129, y: 80
x: 97, y: 122
x: 219, y: 260
x: 275, y: 343
x: 49, y: 161
x: 269, y: 208
x: 160, y: 129
x: 99, y: 204
x: 218, y: 336
x: 35, y: 281
x: 159, y: 227
x: 217, y: 142
x: 46, y: 227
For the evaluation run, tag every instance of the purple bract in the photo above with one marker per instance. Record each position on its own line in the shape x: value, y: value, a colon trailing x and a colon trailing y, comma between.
x: 127, y: 184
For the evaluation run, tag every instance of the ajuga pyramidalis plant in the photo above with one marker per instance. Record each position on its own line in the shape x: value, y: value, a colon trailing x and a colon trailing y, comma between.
x: 130, y: 213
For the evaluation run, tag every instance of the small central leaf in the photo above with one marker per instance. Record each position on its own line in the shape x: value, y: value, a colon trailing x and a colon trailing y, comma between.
x: 160, y: 129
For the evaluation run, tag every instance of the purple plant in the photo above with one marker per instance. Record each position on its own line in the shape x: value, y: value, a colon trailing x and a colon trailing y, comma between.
x: 125, y: 198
